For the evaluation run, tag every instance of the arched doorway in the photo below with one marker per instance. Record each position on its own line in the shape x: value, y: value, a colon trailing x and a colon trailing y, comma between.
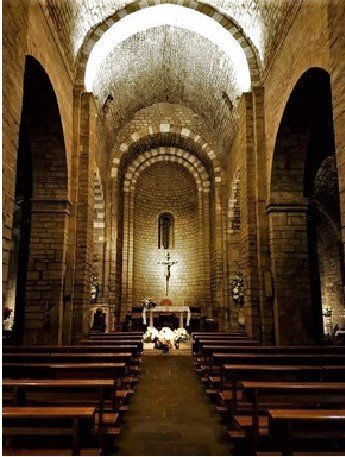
x: 37, y: 261
x: 305, y: 194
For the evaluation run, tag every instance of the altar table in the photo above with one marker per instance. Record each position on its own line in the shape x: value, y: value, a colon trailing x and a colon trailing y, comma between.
x: 168, y: 309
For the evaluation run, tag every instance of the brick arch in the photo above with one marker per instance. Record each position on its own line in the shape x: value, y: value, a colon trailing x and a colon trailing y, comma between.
x: 40, y: 214
x: 294, y: 126
x: 304, y: 140
x: 228, y: 23
x: 138, y: 164
x: 37, y: 53
x: 170, y: 135
x: 186, y: 159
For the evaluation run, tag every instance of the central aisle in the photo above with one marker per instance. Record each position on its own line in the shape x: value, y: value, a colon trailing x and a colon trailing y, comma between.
x: 170, y: 414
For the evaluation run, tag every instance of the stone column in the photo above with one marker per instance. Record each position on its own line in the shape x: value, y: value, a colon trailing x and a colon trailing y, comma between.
x: 248, y: 233
x: 217, y: 260
x: 71, y: 250
x: 46, y: 269
x: 204, y: 209
x: 125, y: 256
x: 336, y: 18
x: 290, y: 268
x: 84, y: 234
x: 264, y: 260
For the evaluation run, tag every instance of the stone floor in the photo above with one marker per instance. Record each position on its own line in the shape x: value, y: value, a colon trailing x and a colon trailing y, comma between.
x: 170, y: 414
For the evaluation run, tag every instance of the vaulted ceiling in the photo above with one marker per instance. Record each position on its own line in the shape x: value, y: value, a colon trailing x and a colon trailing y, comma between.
x: 201, y: 55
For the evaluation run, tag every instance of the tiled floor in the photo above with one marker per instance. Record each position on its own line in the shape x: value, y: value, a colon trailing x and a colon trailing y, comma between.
x: 170, y: 414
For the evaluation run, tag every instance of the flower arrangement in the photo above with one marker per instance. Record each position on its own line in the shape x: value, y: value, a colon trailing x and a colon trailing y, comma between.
x: 327, y: 311
x: 166, y: 336
x: 151, y: 335
x: 7, y: 312
x: 182, y: 336
x: 237, y: 291
x: 8, y: 318
x: 148, y: 303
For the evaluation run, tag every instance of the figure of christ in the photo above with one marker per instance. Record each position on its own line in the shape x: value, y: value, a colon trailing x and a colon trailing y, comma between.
x: 167, y: 270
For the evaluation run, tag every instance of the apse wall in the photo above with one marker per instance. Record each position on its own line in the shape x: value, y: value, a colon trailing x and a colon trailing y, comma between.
x: 168, y: 187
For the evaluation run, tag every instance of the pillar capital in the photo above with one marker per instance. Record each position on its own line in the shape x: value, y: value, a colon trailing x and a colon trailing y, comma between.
x: 287, y: 208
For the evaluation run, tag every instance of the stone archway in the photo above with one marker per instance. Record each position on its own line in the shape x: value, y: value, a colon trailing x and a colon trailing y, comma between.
x: 305, y: 139
x: 184, y: 163
x: 228, y: 23
x: 37, y: 262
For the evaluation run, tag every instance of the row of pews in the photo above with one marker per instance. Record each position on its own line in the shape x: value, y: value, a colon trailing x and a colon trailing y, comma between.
x: 287, y: 400
x: 68, y: 400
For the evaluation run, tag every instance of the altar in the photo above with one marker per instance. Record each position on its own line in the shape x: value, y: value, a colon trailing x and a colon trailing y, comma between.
x: 167, y: 309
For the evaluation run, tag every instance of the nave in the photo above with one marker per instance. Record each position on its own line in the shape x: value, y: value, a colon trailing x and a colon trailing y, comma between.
x: 170, y: 413
x: 173, y: 167
x: 256, y: 400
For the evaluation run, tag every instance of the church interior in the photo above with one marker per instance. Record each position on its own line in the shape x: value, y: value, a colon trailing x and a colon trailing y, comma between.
x: 173, y: 229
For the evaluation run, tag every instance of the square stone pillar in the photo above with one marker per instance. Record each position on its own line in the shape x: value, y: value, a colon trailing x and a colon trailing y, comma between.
x: 46, y: 269
x: 290, y: 268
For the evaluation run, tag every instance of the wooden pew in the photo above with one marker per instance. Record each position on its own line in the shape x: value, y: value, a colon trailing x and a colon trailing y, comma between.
x: 230, y: 348
x: 109, y: 342
x: 214, y: 336
x: 208, y: 352
x: 114, y: 336
x: 46, y: 370
x: 203, y: 332
x: 87, y: 391
x: 117, y: 347
x: 61, y: 421
x: 307, y: 424
x: 53, y: 357
x: 218, y: 359
x: 285, y: 364
x: 240, y: 372
x: 264, y: 395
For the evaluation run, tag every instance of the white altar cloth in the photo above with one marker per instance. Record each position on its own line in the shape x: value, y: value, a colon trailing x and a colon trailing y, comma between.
x: 168, y: 309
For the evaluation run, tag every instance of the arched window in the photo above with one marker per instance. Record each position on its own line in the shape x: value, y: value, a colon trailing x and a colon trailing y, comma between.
x: 165, y: 231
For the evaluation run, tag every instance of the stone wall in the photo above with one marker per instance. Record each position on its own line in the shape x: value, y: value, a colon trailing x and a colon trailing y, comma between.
x: 26, y: 32
x: 168, y: 187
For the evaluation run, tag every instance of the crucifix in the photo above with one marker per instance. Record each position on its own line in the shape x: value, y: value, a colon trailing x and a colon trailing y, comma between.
x: 167, y: 266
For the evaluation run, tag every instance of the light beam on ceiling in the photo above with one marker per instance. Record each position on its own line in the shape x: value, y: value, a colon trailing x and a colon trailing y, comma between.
x: 175, y: 15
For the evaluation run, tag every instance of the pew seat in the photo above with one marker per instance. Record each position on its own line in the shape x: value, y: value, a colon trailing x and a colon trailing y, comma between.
x: 48, y: 421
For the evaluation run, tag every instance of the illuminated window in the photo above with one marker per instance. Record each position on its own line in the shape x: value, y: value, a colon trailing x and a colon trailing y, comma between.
x: 165, y: 231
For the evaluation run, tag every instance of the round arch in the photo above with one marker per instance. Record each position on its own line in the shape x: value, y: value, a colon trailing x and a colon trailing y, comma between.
x: 41, y: 213
x: 129, y: 179
x: 228, y: 23
x: 158, y: 135
x: 304, y: 140
x: 186, y: 159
